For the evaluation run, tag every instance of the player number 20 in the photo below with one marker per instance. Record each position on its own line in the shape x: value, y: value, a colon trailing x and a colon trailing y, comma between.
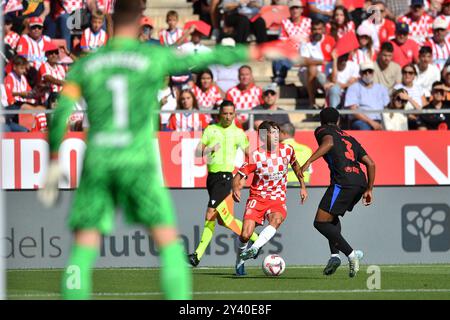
x: 252, y: 204
x: 119, y: 88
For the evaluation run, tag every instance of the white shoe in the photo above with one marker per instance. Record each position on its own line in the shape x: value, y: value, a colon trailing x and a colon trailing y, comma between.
x: 353, y: 264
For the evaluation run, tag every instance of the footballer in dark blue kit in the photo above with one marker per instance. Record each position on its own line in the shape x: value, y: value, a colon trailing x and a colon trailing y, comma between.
x: 348, y: 184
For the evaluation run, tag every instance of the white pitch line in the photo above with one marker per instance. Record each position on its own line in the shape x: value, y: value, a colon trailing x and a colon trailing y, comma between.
x: 119, y: 294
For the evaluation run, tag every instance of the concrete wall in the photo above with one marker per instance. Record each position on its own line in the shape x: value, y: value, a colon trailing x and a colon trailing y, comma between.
x: 404, y: 225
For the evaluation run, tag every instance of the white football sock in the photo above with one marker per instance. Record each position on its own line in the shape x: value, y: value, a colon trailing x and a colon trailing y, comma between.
x: 352, y: 255
x: 264, y: 236
x: 336, y: 255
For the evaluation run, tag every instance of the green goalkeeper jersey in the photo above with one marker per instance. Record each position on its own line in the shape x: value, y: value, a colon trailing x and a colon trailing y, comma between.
x: 120, y: 83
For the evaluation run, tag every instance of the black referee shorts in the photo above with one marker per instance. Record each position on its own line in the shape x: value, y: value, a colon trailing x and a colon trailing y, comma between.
x: 340, y: 199
x: 219, y: 187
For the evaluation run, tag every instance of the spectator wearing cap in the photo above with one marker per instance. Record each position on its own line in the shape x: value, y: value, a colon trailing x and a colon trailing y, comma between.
x: 427, y: 72
x: 366, y: 51
x: 226, y: 77
x: 270, y: 96
x: 383, y: 30
x: 145, y: 34
x: 11, y: 37
x: 366, y: 95
x: 316, y: 55
x: 436, y: 121
x: 438, y: 43
x: 241, y: 17
x: 322, y: 9
x: 52, y: 73
x: 297, y: 29
x: 420, y: 23
x: 344, y: 73
x: 246, y: 95
x: 405, y: 50
x: 31, y: 46
x: 94, y: 36
x: 387, y: 72
x: 339, y: 23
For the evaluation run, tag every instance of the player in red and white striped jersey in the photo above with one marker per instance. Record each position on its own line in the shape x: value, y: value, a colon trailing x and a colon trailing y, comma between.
x: 246, y: 95
x: 31, y: 46
x: 11, y: 38
x: 183, y: 122
x: 439, y: 43
x: 420, y: 23
x: 206, y: 91
x: 94, y: 36
x: 267, y: 200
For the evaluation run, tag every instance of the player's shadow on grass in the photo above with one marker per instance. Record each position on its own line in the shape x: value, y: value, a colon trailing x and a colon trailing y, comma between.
x: 228, y: 276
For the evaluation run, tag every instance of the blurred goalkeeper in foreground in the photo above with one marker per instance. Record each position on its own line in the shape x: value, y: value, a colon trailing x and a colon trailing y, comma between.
x: 120, y: 83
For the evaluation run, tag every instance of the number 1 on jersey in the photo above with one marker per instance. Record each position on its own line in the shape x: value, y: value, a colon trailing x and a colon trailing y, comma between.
x: 118, y: 85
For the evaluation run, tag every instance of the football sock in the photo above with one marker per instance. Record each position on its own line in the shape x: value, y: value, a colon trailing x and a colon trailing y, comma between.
x: 176, y: 277
x: 208, y: 231
x: 254, y: 235
x: 333, y: 249
x: 241, y: 247
x: 77, y: 278
x: 264, y: 237
x: 331, y: 232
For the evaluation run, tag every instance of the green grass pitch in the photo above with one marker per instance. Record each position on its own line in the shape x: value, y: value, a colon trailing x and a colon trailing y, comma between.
x: 297, y: 282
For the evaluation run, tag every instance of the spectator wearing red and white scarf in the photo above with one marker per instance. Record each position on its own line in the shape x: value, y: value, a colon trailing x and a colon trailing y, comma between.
x: 439, y: 43
x: 340, y: 23
x: 206, y: 91
x: 188, y: 121
x: 94, y: 36
x: 11, y: 38
x: 246, y: 95
x: 420, y: 23
x: 31, y: 46
x: 316, y: 55
x: 296, y: 29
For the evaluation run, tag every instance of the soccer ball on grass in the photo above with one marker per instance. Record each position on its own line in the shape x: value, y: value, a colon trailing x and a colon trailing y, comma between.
x: 273, y: 265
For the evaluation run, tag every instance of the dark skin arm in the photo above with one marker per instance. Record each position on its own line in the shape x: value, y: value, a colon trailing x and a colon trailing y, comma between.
x: 325, y: 146
x: 370, y: 166
x: 238, y: 182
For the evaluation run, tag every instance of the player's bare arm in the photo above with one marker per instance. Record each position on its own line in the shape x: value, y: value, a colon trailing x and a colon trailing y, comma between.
x: 298, y: 172
x: 370, y: 166
x: 237, y: 186
x: 325, y: 146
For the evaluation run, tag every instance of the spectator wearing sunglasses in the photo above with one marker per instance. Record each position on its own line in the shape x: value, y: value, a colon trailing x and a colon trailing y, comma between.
x: 436, y: 121
x: 32, y: 45
x: 396, y: 121
x: 366, y: 95
x: 417, y: 100
x: 270, y: 103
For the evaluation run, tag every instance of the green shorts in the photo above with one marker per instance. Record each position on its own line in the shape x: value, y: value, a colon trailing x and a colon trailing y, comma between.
x: 137, y: 190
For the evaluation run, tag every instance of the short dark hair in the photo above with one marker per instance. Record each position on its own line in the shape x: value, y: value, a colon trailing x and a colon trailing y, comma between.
x: 425, y: 50
x: 436, y: 83
x: 288, y: 128
x: 387, y: 46
x: 19, y: 61
x: 267, y: 125
x: 329, y: 116
x: 245, y: 66
x: 316, y: 22
x: 171, y: 13
x: 226, y: 103
x: 127, y: 11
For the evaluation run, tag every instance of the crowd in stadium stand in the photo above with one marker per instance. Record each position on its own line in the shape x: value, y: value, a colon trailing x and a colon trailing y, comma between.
x: 359, y: 55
